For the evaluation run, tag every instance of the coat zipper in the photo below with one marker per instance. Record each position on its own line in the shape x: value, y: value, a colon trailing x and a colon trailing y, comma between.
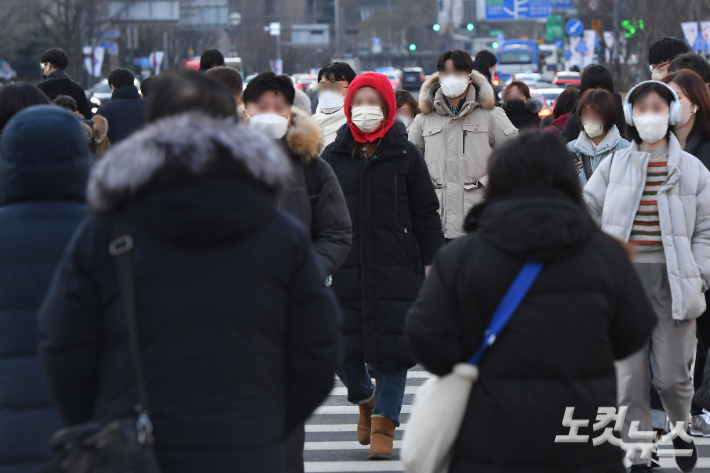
x: 464, y: 141
x: 396, y: 195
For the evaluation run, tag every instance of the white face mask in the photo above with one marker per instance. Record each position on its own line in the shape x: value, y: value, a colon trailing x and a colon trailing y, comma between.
x: 453, y: 86
x: 367, y: 118
x: 272, y: 124
x: 652, y: 128
x: 592, y: 128
x: 330, y: 101
x: 689, y: 109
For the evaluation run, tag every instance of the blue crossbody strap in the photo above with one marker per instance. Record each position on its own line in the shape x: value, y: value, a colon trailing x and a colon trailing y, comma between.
x: 507, y: 307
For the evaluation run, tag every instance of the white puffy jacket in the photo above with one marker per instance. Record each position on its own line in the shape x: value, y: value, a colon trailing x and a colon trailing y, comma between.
x: 613, y: 195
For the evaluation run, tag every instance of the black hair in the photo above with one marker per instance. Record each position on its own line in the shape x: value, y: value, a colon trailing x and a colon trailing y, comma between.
x: 596, y: 77
x: 666, y: 49
x: 566, y: 101
x: 337, y: 71
x: 461, y: 59
x: 15, y: 97
x: 120, y: 78
x: 211, y: 58
x: 146, y: 85
x: 642, y: 91
x: 533, y: 159
x: 174, y: 93
x: 693, y: 61
x: 65, y: 101
x: 265, y: 81
x: 229, y: 77
x: 56, y: 57
x: 486, y: 58
x: 546, y: 122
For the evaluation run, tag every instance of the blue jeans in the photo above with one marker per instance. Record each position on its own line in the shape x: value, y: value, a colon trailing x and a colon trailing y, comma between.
x: 389, y: 395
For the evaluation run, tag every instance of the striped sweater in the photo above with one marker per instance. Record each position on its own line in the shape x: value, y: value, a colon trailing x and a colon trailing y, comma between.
x: 646, y: 230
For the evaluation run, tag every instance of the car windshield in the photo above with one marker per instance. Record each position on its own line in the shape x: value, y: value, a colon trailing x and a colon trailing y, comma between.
x: 522, y: 57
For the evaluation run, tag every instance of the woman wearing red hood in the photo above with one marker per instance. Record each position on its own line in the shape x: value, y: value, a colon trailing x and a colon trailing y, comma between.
x: 396, y: 232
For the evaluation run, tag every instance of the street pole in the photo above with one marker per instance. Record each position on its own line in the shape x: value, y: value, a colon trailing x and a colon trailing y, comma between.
x: 699, y: 5
x: 617, y: 34
x: 337, y: 27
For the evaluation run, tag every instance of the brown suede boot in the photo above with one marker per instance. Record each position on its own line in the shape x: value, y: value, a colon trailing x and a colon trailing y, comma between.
x: 364, y: 423
x: 382, y: 438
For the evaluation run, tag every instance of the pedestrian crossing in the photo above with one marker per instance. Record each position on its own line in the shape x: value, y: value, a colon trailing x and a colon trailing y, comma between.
x: 331, y: 440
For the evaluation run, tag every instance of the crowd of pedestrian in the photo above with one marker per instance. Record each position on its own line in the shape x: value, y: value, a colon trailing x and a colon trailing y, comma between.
x: 199, y: 259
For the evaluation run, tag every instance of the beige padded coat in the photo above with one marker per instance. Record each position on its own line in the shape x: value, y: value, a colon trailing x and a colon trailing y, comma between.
x: 456, y: 148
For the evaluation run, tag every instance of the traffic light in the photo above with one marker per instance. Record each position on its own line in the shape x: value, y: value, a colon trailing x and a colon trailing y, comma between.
x: 470, y: 27
x: 436, y: 27
x: 631, y: 27
x: 495, y: 45
x: 412, y: 47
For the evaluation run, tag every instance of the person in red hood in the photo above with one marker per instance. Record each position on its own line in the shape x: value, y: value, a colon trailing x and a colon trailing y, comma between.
x: 396, y: 232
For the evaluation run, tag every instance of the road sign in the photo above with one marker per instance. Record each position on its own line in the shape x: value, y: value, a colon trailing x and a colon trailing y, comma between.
x: 581, y: 47
x: 574, y: 27
x: 111, y: 47
x: 594, y: 5
x: 275, y: 28
x: 559, y: 43
x: 495, y: 33
x: 235, y: 18
x: 700, y: 44
x: 562, y: 4
x: 517, y: 9
x: 555, y: 27
x: 376, y: 45
x: 108, y: 34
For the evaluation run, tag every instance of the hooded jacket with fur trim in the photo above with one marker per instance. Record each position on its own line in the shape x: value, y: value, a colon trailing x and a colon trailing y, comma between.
x: 456, y: 147
x: 239, y: 336
x: 315, y: 197
x: 524, y: 114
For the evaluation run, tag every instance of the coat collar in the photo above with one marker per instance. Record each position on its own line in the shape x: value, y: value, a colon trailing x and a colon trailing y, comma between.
x: 431, y: 98
x: 675, y: 156
x: 585, y: 145
x: 304, y: 137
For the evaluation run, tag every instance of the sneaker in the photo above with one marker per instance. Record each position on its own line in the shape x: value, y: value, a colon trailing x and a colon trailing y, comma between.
x: 700, y: 426
x: 685, y: 463
x: 655, y: 462
x: 640, y: 469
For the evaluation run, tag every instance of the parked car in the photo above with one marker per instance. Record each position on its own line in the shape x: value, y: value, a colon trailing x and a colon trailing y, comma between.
x: 567, y: 77
x: 412, y: 78
x: 302, y: 81
x: 395, y: 77
x: 548, y: 96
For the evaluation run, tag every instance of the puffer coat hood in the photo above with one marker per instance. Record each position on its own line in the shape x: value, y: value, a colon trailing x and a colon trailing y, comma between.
x: 613, y: 195
x: 192, y: 180
x: 304, y: 137
x: 429, y: 101
x: 44, y: 156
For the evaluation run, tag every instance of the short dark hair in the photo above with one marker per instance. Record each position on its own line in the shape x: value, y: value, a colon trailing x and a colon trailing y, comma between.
x: 693, y: 61
x: 120, y: 78
x: 521, y: 86
x: 265, y: 81
x: 229, y: 77
x: 486, y: 58
x: 174, y: 93
x: 405, y: 97
x: 211, y: 58
x: 596, y: 76
x: 56, y: 57
x: 695, y: 88
x: 146, y: 85
x: 461, y: 59
x: 15, y: 97
x: 337, y: 71
x: 65, y: 101
x: 666, y: 49
x: 533, y: 159
x: 642, y: 91
x: 603, y: 102
x: 566, y: 101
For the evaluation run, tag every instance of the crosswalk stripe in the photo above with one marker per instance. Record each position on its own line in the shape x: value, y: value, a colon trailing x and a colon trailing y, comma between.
x: 341, y: 427
x: 342, y: 391
x: 352, y: 466
x: 340, y: 410
x: 348, y: 445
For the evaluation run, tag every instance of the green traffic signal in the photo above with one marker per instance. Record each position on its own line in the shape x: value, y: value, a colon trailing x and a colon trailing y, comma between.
x: 495, y: 45
x: 470, y: 27
x: 412, y: 47
x: 436, y: 27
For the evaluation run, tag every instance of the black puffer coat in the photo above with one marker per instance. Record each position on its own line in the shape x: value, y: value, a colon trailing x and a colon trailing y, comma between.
x: 586, y: 309
x: 43, y: 173
x: 239, y: 335
x: 324, y: 213
x: 125, y: 113
x: 396, y: 229
x: 524, y: 114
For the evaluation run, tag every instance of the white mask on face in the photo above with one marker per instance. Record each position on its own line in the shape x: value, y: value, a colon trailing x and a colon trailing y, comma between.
x: 272, y: 124
x: 689, y: 109
x: 593, y: 128
x: 330, y: 102
x: 453, y: 86
x: 652, y: 128
x: 367, y: 118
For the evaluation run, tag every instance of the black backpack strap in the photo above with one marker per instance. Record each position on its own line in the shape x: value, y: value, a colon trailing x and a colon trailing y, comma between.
x: 587, y: 166
x: 313, y: 180
x: 120, y: 248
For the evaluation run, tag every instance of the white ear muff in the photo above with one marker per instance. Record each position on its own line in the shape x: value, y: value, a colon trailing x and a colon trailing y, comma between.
x: 676, y: 109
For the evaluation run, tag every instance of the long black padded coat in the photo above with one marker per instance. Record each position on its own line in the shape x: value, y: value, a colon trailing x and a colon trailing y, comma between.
x: 43, y: 173
x: 396, y: 231
x: 239, y: 336
x: 586, y: 309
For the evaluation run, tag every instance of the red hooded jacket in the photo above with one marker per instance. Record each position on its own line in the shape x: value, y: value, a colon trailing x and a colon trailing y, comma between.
x: 383, y: 86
